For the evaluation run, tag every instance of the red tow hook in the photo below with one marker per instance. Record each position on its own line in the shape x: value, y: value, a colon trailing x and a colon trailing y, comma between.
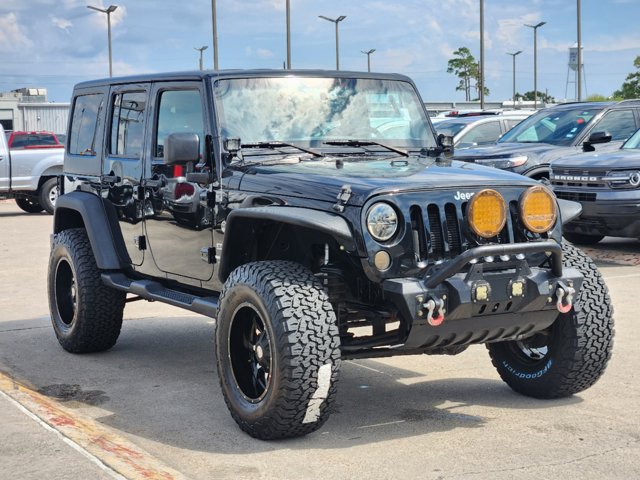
x: 436, y: 305
x: 565, y: 299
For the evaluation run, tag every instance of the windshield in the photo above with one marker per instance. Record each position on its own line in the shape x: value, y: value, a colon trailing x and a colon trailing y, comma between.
x: 554, y: 126
x: 633, y: 142
x: 311, y: 111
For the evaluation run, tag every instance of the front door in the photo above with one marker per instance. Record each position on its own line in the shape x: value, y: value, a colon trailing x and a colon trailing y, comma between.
x: 180, y: 230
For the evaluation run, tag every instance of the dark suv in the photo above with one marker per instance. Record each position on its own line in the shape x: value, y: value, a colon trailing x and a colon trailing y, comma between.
x: 317, y: 218
x: 607, y: 186
x: 559, y: 131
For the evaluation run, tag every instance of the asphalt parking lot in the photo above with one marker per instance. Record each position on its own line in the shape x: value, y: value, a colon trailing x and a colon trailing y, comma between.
x: 153, y: 401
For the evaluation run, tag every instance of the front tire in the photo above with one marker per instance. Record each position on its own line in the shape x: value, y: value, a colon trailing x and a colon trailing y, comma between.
x: 86, y: 314
x: 48, y: 195
x: 573, y: 353
x: 29, y: 205
x: 277, y: 347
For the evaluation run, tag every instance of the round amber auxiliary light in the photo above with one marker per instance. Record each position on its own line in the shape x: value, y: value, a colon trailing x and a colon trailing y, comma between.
x: 487, y: 213
x: 538, y: 209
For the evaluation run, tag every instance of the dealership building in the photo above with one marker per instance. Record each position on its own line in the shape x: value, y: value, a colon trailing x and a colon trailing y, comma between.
x: 27, y: 109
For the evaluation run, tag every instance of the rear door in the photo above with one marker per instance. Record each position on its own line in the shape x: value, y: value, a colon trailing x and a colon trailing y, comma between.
x: 124, y: 145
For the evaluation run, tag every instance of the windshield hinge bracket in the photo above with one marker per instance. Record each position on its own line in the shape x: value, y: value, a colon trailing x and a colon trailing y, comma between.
x: 343, y: 197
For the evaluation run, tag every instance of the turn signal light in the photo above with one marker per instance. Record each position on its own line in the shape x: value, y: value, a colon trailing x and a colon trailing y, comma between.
x: 538, y: 209
x: 487, y: 213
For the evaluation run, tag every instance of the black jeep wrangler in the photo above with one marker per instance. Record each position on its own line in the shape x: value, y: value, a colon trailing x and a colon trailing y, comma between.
x: 316, y: 217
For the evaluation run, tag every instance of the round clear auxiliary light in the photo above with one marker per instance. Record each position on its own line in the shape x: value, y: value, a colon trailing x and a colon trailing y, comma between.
x: 487, y: 213
x: 538, y: 209
x: 382, y: 221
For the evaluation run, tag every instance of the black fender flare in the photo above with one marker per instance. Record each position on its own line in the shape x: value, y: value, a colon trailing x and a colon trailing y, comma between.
x: 568, y: 210
x: 98, y: 217
x: 324, y: 222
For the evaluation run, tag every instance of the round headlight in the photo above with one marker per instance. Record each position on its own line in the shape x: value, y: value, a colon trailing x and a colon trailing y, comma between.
x: 487, y: 213
x: 538, y: 209
x: 382, y: 221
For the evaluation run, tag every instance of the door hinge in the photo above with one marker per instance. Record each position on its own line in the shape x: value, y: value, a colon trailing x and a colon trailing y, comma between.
x: 211, y: 198
x: 343, y: 197
x: 208, y: 254
x: 141, y: 242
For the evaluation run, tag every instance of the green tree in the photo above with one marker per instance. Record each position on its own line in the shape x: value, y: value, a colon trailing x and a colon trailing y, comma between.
x: 542, y: 97
x: 631, y: 87
x: 596, y: 97
x: 464, y: 66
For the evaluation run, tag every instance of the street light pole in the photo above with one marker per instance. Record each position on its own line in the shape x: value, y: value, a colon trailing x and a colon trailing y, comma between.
x: 579, y: 53
x: 336, y: 21
x: 535, y: 62
x: 109, y: 10
x: 201, y: 49
x: 288, y: 34
x: 481, y: 55
x: 514, y: 74
x: 214, y: 23
x: 368, y: 54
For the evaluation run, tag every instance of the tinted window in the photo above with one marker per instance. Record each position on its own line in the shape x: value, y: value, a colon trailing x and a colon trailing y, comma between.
x: 483, y: 134
x: 620, y: 124
x: 127, y: 124
x: 86, y: 111
x: 180, y: 112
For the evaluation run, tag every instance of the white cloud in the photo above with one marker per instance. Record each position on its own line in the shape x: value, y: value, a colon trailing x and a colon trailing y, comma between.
x: 61, y: 23
x: 12, y: 35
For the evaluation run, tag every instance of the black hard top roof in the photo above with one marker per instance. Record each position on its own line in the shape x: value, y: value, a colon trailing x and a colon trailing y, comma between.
x: 256, y: 73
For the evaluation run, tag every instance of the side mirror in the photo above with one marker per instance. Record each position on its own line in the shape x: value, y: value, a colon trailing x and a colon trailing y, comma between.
x: 445, y: 142
x: 595, y: 138
x: 181, y: 148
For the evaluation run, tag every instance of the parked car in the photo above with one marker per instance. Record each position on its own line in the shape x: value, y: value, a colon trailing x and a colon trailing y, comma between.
x: 556, y: 132
x: 23, y: 140
x: 324, y: 221
x: 608, y: 187
x: 29, y: 175
x: 472, y: 131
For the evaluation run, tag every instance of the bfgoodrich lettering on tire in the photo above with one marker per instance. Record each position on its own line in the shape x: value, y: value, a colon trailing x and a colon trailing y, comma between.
x: 277, y: 348
x: 86, y: 314
x: 572, y: 355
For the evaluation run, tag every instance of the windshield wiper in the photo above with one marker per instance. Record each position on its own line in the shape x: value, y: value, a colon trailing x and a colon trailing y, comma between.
x: 366, y: 143
x: 274, y: 145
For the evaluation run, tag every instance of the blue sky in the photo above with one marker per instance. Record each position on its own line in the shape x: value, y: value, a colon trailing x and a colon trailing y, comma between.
x: 57, y: 43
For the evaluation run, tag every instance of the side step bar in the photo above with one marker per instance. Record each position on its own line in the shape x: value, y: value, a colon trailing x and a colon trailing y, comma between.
x: 150, y: 290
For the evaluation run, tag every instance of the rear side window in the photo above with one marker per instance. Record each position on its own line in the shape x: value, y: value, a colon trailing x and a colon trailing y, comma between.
x: 483, y: 134
x: 127, y: 124
x: 86, y: 111
x: 180, y: 112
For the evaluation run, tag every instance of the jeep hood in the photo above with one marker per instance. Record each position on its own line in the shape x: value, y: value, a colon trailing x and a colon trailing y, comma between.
x: 620, y: 159
x: 323, y: 179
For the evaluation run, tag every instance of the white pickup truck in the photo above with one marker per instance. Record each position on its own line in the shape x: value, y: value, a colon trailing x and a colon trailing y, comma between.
x: 30, y: 176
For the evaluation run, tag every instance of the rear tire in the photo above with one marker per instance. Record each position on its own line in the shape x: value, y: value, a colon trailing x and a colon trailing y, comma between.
x: 277, y: 347
x: 86, y: 314
x: 582, y: 239
x: 29, y: 205
x: 48, y: 195
x: 573, y: 354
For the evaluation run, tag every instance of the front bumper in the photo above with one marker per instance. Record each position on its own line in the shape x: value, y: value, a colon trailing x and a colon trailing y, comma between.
x: 504, y: 313
x: 619, y: 218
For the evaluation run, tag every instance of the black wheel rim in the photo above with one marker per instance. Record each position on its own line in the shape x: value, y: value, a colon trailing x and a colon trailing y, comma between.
x: 250, y: 351
x: 534, y: 349
x: 65, y: 292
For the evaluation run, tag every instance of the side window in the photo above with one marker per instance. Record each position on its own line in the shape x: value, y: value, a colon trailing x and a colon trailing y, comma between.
x: 483, y: 134
x: 511, y: 122
x: 86, y: 110
x: 620, y: 124
x: 127, y: 124
x: 180, y: 111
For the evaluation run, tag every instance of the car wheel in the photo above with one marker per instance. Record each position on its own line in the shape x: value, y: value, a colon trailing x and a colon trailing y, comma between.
x: 49, y: 194
x: 573, y: 353
x: 277, y: 347
x: 28, y: 205
x: 86, y: 314
x: 582, y: 239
